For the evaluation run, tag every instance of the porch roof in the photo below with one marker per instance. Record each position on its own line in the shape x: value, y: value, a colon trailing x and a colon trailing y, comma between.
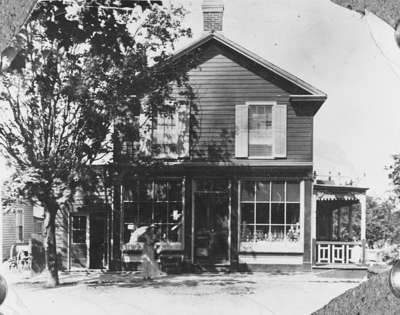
x: 332, y: 192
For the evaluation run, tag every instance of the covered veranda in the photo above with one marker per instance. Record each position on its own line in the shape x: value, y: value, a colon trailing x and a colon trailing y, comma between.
x: 338, y: 225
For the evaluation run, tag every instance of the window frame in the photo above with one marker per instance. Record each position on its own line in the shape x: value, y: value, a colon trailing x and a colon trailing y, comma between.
x: 170, y: 149
x: 273, y: 246
x: 153, y: 203
x: 79, y: 229
x: 19, y: 228
x: 272, y: 104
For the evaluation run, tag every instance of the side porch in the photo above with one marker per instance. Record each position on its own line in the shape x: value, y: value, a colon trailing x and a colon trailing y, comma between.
x: 338, y: 226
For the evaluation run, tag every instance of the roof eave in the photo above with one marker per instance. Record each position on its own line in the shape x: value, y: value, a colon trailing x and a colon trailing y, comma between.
x: 341, y: 188
x: 307, y: 104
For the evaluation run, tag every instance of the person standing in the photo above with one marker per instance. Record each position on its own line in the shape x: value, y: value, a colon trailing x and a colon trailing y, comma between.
x: 150, y: 267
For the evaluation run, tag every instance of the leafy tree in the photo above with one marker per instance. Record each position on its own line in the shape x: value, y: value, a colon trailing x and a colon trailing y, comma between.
x: 73, y: 93
x: 379, y: 220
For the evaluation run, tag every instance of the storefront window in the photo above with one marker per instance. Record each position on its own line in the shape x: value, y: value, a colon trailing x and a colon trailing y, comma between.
x: 269, y: 214
x: 158, y: 202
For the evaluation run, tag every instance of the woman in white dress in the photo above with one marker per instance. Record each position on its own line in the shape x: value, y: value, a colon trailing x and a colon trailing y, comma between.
x: 150, y: 267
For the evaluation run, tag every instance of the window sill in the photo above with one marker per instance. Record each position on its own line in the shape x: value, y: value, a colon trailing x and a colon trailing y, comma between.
x: 271, y: 247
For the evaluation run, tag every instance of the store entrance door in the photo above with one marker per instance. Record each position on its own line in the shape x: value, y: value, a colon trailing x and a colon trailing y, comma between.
x: 211, y: 228
x: 98, y: 240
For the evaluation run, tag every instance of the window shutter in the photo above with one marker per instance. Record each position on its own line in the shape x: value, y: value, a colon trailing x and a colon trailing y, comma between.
x: 241, y: 131
x: 183, y: 126
x: 145, y: 132
x: 279, y: 124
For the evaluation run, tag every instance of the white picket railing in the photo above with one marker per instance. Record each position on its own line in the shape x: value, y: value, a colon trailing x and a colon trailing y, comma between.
x: 336, y: 252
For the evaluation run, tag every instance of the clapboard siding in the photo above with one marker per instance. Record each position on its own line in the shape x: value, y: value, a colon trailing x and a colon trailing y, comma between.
x: 223, y: 80
x: 9, y: 233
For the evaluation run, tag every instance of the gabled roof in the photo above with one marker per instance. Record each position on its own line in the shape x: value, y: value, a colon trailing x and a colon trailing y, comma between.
x: 314, y: 93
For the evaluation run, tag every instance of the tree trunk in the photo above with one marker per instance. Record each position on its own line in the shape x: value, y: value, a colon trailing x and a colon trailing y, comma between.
x: 51, y: 249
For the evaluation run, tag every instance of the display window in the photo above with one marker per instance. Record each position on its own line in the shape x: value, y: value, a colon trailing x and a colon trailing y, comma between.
x: 154, y: 202
x: 269, y: 215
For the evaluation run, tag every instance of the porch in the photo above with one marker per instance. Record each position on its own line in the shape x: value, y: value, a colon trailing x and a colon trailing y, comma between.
x: 338, y: 219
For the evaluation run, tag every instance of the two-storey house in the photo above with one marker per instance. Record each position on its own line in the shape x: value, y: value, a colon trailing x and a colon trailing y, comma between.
x: 233, y: 185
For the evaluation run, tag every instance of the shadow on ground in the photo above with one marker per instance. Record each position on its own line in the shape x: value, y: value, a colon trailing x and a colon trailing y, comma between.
x: 232, y: 283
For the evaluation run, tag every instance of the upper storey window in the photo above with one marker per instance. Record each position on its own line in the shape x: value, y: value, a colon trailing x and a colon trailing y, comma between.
x: 166, y: 135
x: 260, y: 130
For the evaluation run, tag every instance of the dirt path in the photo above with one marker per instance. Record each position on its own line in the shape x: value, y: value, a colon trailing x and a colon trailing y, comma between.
x: 257, y: 293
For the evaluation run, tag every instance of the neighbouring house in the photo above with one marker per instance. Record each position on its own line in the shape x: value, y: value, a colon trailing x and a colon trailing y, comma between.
x: 235, y: 189
x: 18, y: 226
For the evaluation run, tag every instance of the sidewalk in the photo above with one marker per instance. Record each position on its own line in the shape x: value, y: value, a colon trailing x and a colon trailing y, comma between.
x: 126, y: 293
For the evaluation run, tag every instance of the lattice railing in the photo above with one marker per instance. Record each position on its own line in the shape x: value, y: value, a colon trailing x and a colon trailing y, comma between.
x: 337, y: 252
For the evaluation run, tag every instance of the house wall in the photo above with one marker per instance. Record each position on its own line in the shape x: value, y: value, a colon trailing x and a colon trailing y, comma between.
x: 69, y: 255
x: 9, y: 233
x: 222, y: 80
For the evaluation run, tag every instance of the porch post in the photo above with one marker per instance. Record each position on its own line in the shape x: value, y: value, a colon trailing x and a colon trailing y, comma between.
x: 116, y: 227
x: 313, y: 227
x: 363, y: 203
x: 350, y: 226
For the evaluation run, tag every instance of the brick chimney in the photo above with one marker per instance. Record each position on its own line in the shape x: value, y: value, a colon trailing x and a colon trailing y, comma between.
x: 213, y: 11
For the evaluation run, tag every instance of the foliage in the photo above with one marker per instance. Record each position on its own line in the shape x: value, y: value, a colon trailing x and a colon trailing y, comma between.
x: 394, y: 173
x: 74, y: 90
x: 383, y: 221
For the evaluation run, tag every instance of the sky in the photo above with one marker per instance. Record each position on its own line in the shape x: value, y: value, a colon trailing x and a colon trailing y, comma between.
x: 351, y: 57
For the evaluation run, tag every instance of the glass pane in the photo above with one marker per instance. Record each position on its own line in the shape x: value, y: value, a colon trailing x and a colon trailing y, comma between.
x: 175, y: 212
x: 277, y: 233
x: 278, y: 192
x: 160, y: 213
x: 175, y: 233
x: 160, y: 191
x: 19, y: 217
x: 292, y: 213
x: 212, y: 185
x: 262, y: 191
x: 145, y: 213
x: 131, y: 213
x: 162, y: 232
x: 246, y: 233
x: 262, y: 213
x: 293, y: 232
x: 260, y: 130
x: 130, y: 191
x: 220, y: 185
x: 79, y: 222
x: 145, y: 190
x: 262, y: 233
x: 277, y: 213
x: 293, y: 192
x: 247, y: 213
x: 175, y: 191
x: 78, y: 236
x: 247, y: 191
